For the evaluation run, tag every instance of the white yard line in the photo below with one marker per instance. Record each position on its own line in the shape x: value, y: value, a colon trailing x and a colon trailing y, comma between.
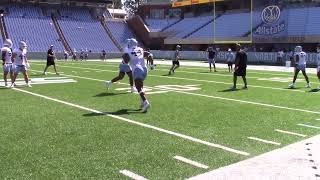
x: 186, y: 137
x: 213, y: 97
x: 189, y: 79
x: 309, y: 126
x: 132, y: 175
x: 191, y: 162
x: 291, y: 133
x: 249, y: 102
x: 317, y: 119
x: 264, y: 141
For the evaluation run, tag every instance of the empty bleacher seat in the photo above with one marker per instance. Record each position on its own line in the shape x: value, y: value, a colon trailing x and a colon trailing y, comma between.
x: 87, y: 34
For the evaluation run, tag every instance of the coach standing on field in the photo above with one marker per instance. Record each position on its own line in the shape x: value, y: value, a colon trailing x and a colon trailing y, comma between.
x: 240, y: 67
x: 50, y: 60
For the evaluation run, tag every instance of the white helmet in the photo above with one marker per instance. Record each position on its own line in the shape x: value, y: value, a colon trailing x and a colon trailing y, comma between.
x: 229, y: 50
x: 22, y: 45
x: 178, y: 47
x: 132, y: 43
x: 298, y: 49
x: 8, y: 43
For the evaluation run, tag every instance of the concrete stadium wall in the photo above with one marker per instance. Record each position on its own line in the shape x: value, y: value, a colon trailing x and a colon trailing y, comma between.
x: 43, y: 55
x: 253, y: 57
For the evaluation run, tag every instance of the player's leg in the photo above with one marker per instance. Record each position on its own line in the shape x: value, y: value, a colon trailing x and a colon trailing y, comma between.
x: 245, y: 82
x: 229, y: 68
x: 214, y: 65
x: 45, y: 69
x: 296, y: 72
x: 307, y: 78
x: 26, y: 76
x: 55, y: 69
x: 5, y: 74
x: 234, y: 81
x: 171, y: 69
x: 133, y: 89
x: 139, y: 75
x: 209, y: 62
x: 176, y: 66
x: 117, y: 78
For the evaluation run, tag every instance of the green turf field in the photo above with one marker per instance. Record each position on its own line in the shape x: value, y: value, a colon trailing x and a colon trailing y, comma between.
x: 79, y: 130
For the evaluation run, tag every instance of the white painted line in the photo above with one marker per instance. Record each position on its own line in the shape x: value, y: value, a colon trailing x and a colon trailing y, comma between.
x: 249, y: 102
x: 317, y: 119
x: 197, y: 80
x: 309, y: 126
x: 193, y: 163
x: 132, y: 175
x: 264, y: 141
x: 292, y: 133
x: 141, y: 124
x: 213, y: 97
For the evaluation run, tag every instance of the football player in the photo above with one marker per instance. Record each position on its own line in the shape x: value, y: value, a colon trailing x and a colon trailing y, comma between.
x: 300, y: 65
x: 50, y: 61
x: 149, y: 56
x: 175, y: 61
x: 6, y: 56
x: 124, y: 68
x: 211, y: 58
x: 134, y: 56
x: 318, y: 60
x: 240, y: 68
x: 230, y: 59
x: 20, y: 60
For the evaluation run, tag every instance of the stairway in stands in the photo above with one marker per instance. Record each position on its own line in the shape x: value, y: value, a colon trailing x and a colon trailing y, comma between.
x: 3, y: 29
x: 107, y: 29
x: 61, y: 35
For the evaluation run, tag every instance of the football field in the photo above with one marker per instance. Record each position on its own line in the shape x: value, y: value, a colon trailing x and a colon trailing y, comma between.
x: 71, y: 127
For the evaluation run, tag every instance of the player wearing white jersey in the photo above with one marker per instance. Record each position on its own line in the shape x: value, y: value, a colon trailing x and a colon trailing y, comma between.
x: 6, y: 56
x: 300, y: 65
x: 318, y: 61
x: 124, y: 68
x: 134, y: 56
x: 21, y: 63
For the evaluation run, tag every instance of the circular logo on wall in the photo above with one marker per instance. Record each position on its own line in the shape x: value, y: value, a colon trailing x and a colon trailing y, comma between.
x: 270, y: 14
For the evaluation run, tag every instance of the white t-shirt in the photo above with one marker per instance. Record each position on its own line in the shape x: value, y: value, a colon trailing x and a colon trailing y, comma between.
x: 21, y: 56
x: 8, y: 54
x: 302, y: 58
x: 136, y: 58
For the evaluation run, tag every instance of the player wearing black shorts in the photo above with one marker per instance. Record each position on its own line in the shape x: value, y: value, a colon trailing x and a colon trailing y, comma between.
x: 50, y: 60
x: 240, y: 68
x: 175, y: 61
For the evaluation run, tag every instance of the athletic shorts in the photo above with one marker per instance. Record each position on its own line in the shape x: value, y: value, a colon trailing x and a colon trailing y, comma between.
x: 230, y: 63
x: 140, y: 74
x: 124, y: 68
x: 8, y: 68
x: 301, y: 67
x: 176, y: 63
x: 211, y: 61
x: 50, y: 62
x: 241, y: 71
x: 20, y: 68
x: 318, y: 69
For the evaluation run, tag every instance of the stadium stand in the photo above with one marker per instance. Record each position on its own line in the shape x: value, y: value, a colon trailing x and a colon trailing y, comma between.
x: 120, y: 30
x: 156, y: 25
x: 24, y: 23
x: 87, y: 35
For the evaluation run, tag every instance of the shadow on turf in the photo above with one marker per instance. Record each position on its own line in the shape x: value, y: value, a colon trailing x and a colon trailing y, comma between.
x: 314, y: 90
x: 119, y: 112
x: 230, y: 90
x: 104, y: 94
